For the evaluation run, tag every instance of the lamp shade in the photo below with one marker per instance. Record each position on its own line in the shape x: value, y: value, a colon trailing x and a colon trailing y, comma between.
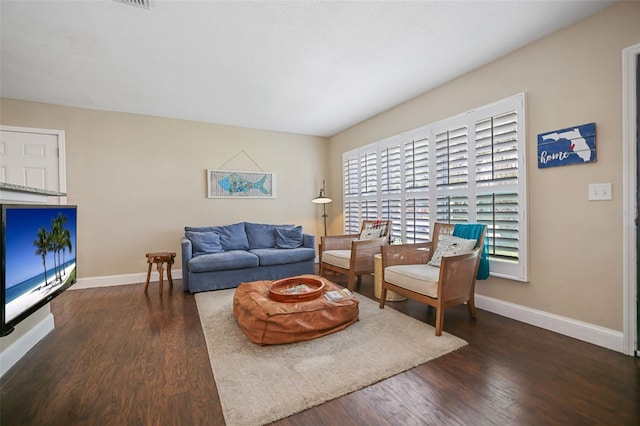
x: 321, y: 199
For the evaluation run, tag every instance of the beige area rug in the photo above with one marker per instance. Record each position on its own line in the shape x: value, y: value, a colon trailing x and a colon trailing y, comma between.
x: 261, y: 384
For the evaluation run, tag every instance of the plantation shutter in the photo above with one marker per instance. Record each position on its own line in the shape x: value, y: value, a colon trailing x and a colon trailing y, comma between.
x: 417, y: 213
x: 369, y: 209
x: 452, y: 174
x: 391, y: 187
x: 497, y: 150
x: 368, y: 174
x: 350, y: 191
x: 417, y: 229
x: 497, y: 203
x: 369, y: 185
x: 416, y: 160
x: 351, y: 217
x: 453, y: 209
x: 452, y: 159
x: 390, y: 178
x: 499, y: 211
x: 392, y: 209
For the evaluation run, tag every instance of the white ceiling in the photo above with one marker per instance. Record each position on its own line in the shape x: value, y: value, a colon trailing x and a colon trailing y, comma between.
x: 307, y: 67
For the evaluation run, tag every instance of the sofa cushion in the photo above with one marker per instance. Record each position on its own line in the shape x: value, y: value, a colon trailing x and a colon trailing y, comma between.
x: 262, y: 235
x: 232, y: 237
x: 421, y: 278
x: 288, y: 238
x: 204, y: 242
x: 274, y: 256
x: 235, y: 259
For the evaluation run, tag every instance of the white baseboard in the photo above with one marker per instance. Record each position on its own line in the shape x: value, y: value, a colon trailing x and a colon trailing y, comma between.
x: 112, y: 280
x: 12, y: 354
x: 586, y: 332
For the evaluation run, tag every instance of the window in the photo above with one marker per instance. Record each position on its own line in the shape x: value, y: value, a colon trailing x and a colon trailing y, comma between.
x: 468, y: 168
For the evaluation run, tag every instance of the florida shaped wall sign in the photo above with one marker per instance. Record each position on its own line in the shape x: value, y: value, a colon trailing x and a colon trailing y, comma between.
x: 573, y: 145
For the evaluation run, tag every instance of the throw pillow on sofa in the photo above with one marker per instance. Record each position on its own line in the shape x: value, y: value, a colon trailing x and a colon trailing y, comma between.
x: 288, y: 238
x: 204, y: 242
x: 232, y: 237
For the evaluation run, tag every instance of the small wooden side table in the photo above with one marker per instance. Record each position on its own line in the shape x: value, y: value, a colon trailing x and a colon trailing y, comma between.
x: 377, y: 282
x: 159, y: 259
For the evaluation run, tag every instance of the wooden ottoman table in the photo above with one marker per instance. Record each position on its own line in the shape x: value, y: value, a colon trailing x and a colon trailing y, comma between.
x: 269, y: 322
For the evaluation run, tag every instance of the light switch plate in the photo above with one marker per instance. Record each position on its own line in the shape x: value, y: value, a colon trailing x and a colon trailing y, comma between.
x: 599, y: 191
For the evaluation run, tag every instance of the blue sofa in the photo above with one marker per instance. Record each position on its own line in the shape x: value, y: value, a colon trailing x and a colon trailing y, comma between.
x: 219, y: 257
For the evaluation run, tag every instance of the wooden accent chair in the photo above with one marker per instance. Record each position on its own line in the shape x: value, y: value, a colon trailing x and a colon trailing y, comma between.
x: 352, y: 254
x: 406, y: 271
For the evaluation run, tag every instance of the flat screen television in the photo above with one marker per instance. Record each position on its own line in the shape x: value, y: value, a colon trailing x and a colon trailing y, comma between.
x: 38, y: 249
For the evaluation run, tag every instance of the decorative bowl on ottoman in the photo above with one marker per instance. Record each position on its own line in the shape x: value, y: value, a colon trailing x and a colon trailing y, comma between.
x: 269, y: 322
x: 296, y: 289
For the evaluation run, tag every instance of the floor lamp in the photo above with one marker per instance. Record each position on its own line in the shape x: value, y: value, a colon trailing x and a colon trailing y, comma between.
x: 324, y: 200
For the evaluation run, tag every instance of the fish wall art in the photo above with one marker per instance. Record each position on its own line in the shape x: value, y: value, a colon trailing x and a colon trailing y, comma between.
x: 236, y: 184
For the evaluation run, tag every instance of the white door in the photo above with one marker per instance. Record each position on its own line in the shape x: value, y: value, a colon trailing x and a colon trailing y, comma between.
x: 32, y: 157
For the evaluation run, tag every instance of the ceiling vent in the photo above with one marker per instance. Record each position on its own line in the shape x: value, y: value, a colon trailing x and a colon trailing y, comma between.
x: 145, y: 4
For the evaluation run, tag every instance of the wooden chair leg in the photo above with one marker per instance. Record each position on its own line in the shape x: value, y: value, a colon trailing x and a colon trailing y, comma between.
x: 471, y: 304
x: 439, y: 320
x: 160, y: 284
x: 146, y: 286
x: 351, y: 284
x: 169, y: 273
x: 383, y: 297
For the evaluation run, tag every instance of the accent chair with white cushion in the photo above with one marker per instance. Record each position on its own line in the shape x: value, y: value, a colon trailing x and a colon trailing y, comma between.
x: 353, y: 254
x: 440, y: 273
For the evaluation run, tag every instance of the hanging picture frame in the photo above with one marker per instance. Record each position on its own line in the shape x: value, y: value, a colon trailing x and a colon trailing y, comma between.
x: 240, y: 184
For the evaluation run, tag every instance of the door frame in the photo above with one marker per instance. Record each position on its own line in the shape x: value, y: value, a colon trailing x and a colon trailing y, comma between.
x: 629, y: 201
x: 62, y: 164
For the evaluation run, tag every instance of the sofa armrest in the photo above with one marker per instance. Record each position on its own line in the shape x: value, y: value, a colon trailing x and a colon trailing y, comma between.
x: 309, y: 241
x: 187, y: 254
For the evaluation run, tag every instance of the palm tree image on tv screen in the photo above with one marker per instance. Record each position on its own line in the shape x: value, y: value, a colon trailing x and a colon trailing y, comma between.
x: 40, y: 256
x: 57, y: 241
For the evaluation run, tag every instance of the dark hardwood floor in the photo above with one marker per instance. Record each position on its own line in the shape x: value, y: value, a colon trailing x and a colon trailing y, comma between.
x: 120, y: 357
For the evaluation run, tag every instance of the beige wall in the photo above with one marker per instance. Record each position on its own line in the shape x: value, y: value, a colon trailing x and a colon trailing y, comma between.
x: 138, y: 180
x: 570, y: 78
